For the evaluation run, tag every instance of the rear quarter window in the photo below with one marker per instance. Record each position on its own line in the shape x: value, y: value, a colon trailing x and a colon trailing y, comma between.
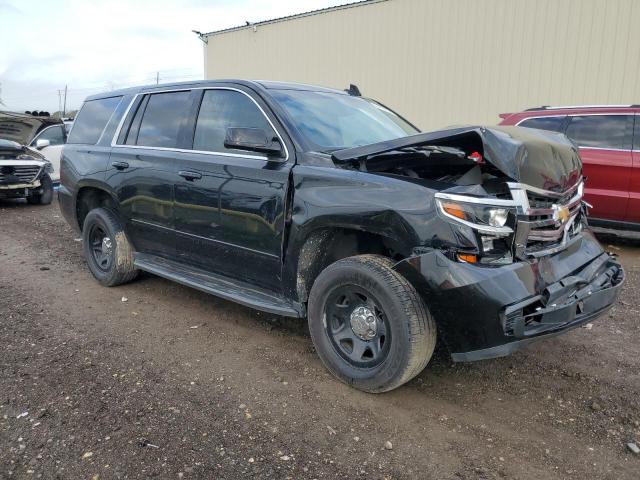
x: 601, y: 131
x: 92, y: 119
x: 553, y: 124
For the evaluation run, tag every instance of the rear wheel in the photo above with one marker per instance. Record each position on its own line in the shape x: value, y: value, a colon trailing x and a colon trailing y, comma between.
x: 107, y: 250
x: 46, y: 196
x: 370, y: 327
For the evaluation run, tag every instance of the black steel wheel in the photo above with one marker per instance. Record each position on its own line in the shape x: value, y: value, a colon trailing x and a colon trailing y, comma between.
x: 369, y: 325
x: 101, y: 247
x: 357, y: 326
x: 107, y: 250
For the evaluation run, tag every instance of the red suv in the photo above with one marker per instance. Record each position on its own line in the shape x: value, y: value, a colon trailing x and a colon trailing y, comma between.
x: 609, y: 141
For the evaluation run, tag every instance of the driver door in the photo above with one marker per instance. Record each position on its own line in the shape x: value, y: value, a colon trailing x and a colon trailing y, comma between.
x: 230, y: 203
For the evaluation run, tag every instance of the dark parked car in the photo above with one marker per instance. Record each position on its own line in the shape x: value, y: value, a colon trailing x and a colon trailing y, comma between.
x: 24, y: 171
x: 309, y: 202
x: 609, y: 142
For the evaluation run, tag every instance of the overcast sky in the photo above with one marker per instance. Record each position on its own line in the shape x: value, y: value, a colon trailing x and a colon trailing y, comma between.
x: 94, y: 46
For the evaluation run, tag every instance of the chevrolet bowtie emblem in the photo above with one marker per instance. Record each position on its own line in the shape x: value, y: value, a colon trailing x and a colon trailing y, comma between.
x: 560, y: 214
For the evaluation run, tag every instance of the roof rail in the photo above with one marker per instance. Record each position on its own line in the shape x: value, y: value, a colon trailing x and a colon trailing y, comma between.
x: 549, y: 107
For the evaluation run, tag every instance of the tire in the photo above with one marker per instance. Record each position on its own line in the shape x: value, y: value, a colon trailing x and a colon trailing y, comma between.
x: 110, y: 260
x: 46, y: 197
x: 405, y: 332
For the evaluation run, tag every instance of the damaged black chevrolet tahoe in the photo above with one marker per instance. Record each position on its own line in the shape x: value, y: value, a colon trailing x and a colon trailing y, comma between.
x: 320, y: 204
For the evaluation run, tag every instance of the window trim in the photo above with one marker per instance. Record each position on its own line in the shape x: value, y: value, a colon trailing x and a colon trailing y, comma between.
x: 114, y: 143
x: 563, y: 117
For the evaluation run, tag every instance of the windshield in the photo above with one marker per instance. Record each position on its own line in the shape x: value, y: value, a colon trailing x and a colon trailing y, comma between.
x: 332, y: 121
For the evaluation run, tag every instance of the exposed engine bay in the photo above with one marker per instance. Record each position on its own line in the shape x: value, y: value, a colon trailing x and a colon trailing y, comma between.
x: 511, y: 192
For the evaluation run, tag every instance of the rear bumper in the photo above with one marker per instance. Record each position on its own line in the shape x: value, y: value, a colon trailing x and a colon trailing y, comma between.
x: 68, y: 207
x: 486, y: 312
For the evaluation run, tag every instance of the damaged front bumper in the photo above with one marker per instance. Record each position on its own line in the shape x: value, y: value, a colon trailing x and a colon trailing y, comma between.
x: 20, y: 190
x: 486, y: 312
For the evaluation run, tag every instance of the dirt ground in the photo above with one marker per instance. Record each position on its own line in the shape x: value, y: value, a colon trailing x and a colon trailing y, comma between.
x: 173, y: 383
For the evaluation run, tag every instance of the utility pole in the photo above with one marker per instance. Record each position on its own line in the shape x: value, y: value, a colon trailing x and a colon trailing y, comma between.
x: 60, y: 101
x: 64, y: 108
x: 157, y: 78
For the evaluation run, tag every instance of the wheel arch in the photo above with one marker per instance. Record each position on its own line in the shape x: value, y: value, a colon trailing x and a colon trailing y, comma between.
x: 92, y: 196
x: 320, y: 247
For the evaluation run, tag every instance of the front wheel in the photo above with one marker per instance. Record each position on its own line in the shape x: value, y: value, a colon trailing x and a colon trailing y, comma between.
x: 370, y: 327
x: 46, y: 195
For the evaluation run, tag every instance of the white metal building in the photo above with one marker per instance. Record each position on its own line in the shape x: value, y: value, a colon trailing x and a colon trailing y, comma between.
x: 444, y: 62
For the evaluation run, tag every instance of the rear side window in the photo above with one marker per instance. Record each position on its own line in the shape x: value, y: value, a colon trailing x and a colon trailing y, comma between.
x: 553, y: 124
x: 162, y: 119
x: 222, y: 109
x: 636, y: 133
x: 601, y: 131
x: 92, y: 119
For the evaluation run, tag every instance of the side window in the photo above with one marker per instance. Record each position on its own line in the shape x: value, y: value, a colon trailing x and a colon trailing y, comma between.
x: 636, y: 133
x: 222, y: 109
x: 55, y: 135
x: 162, y: 118
x: 601, y: 131
x: 92, y: 119
x: 553, y: 124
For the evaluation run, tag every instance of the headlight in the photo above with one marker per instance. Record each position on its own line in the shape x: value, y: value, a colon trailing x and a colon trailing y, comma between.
x: 485, y: 218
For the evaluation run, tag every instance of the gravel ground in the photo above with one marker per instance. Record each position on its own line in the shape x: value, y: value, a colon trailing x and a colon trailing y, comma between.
x: 173, y: 383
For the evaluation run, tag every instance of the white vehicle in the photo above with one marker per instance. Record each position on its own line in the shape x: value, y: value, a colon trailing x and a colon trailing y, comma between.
x: 49, y: 142
x: 25, y: 172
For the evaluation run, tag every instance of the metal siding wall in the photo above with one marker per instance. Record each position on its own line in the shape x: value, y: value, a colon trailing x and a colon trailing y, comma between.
x: 444, y: 62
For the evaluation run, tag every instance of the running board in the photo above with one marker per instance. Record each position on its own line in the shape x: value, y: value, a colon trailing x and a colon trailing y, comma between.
x: 229, y: 289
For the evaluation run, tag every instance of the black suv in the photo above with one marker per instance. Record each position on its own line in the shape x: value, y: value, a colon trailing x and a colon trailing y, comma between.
x: 309, y: 202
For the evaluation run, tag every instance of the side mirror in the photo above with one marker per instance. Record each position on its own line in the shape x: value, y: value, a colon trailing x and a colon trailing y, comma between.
x: 253, y: 140
x: 41, y: 143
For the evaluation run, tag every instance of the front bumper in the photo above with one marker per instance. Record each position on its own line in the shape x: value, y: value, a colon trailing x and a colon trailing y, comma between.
x: 486, y: 312
x: 20, y: 190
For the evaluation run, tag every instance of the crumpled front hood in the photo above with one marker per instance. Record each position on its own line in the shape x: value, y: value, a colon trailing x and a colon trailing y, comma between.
x: 538, y: 158
x: 14, y: 152
x: 21, y: 128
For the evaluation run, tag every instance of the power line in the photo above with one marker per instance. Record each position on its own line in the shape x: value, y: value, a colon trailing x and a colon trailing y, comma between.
x: 104, y: 86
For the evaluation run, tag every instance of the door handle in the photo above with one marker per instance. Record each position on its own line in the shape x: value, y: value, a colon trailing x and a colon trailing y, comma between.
x: 120, y: 165
x: 190, y: 175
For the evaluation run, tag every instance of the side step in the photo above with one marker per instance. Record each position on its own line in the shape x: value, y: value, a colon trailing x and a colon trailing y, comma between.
x: 229, y: 289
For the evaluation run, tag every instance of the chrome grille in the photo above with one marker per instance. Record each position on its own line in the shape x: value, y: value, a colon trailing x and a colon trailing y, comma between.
x: 26, y: 173
x: 546, y: 220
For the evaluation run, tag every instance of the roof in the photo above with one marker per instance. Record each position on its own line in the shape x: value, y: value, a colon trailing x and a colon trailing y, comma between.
x: 268, y: 85
x: 294, y: 17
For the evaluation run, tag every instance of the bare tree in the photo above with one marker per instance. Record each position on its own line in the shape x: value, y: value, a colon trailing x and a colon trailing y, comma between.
x: 1, y: 102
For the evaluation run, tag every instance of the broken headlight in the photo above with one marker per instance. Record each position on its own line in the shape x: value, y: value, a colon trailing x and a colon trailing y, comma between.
x: 492, y: 224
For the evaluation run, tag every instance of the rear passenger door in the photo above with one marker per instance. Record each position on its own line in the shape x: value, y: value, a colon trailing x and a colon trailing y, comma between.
x: 144, y: 165
x: 633, y: 210
x: 240, y: 234
x: 605, y: 148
